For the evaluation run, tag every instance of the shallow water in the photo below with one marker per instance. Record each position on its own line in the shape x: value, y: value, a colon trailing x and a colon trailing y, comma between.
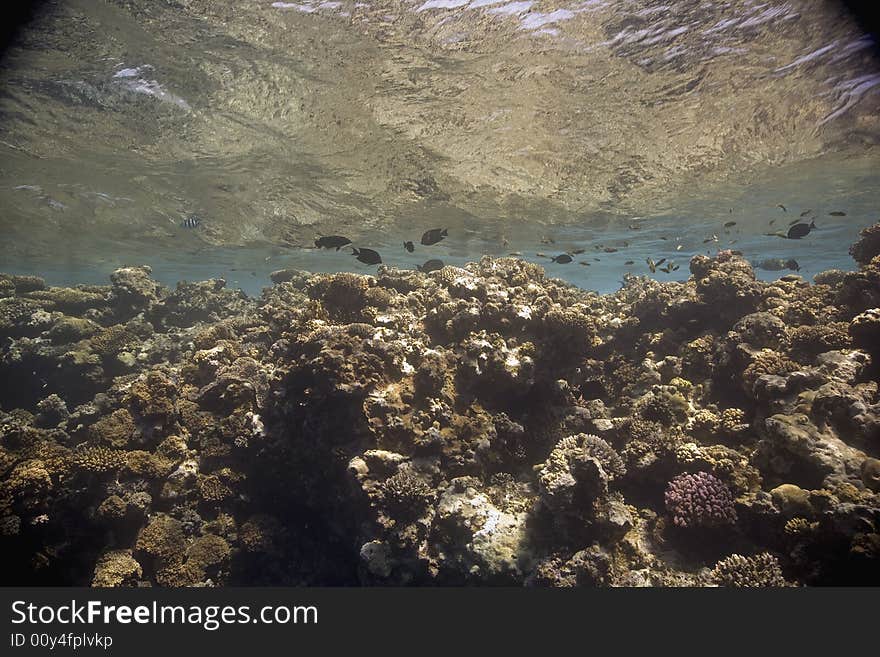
x: 488, y: 427
x: 523, y: 127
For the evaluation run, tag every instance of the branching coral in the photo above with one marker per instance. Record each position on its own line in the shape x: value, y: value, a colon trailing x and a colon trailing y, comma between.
x: 699, y: 500
x: 758, y: 571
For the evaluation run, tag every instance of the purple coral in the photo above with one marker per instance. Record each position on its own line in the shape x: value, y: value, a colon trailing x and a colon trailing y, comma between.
x: 699, y: 500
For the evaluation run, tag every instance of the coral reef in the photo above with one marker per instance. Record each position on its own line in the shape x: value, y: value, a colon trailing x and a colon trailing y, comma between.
x: 476, y: 425
x: 699, y: 500
x: 760, y: 571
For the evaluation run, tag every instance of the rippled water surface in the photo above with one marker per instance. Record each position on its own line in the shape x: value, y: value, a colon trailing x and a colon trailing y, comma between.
x: 630, y: 129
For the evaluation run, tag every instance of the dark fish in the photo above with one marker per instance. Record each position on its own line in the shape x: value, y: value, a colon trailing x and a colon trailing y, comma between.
x: 332, y: 241
x: 805, y: 213
x: 729, y: 224
x: 431, y: 265
x: 367, y: 256
x: 772, y: 221
x: 433, y: 236
x: 837, y: 213
x: 674, y: 267
x: 714, y: 238
x: 609, y: 249
x: 779, y: 205
x: 576, y: 251
x: 654, y: 265
x: 585, y: 264
x: 191, y: 221
x: 409, y: 246
x: 778, y: 264
x: 561, y: 259
x: 800, y: 230
x: 665, y: 269
x: 629, y: 262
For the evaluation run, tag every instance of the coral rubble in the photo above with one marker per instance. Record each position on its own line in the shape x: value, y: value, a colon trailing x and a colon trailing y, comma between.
x: 477, y: 425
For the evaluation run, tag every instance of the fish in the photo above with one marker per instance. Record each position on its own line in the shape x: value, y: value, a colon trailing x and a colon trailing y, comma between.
x: 837, y: 213
x: 191, y: 221
x: 609, y: 249
x: 332, y: 241
x: 630, y: 262
x: 430, y: 265
x: 665, y: 269
x: 679, y: 247
x: 577, y: 251
x: 635, y: 227
x: 584, y: 263
x: 433, y: 236
x: 805, y: 213
x: 714, y: 238
x: 547, y: 240
x: 772, y: 221
x: 800, y: 230
x: 778, y: 264
x: 409, y: 246
x: 654, y: 265
x: 779, y: 205
x: 539, y: 254
x: 729, y: 224
x: 514, y: 254
x: 366, y: 256
x: 561, y: 259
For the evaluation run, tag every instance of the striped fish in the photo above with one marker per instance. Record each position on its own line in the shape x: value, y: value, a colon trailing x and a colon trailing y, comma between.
x: 191, y: 222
